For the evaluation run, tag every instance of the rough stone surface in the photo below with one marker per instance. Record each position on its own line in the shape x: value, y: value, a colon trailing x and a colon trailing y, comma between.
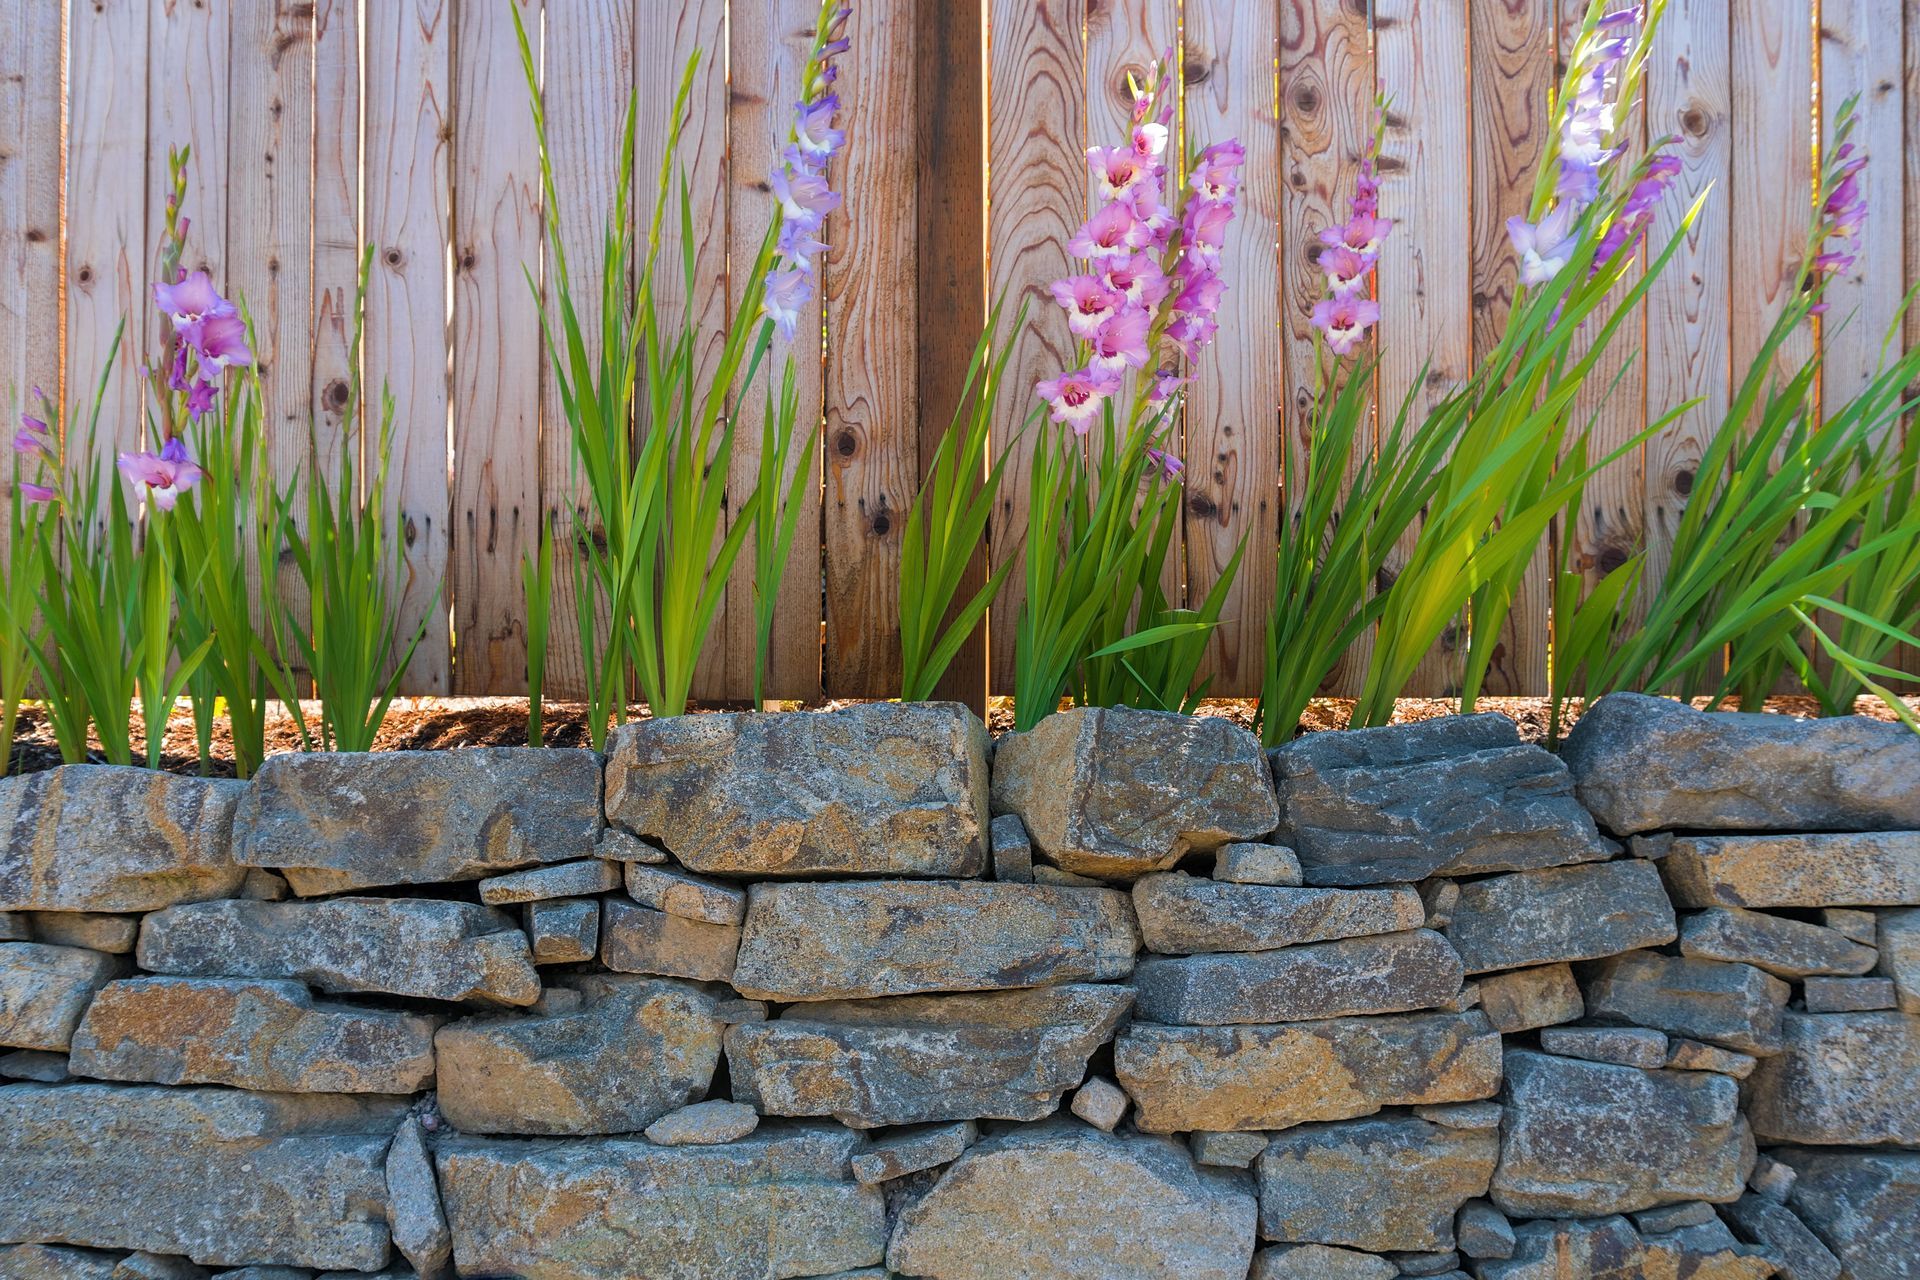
x: 42, y: 1065
x: 1482, y: 1231
x: 224, y: 1177
x: 15, y: 926
x: 96, y: 837
x: 563, y: 930
x: 1375, y: 1184
x: 704, y: 1124
x: 1067, y: 1202
x: 337, y: 821
x: 1693, y: 1055
x: 612, y: 1054
x: 1012, y: 851
x: 1245, y: 863
x: 1672, y: 1217
x: 400, y: 946
x: 1182, y: 914
x: 691, y: 897
x: 637, y: 939
x: 1389, y: 974
x: 45, y: 989
x: 1589, y: 1138
x: 908, y: 1151
x: 1226, y: 1150
x: 1762, y: 1221
x: 1848, y: 995
x: 1610, y: 1247
x: 914, y: 1059
x: 1645, y: 764
x: 1319, y: 1262
x: 1462, y: 1115
x: 1523, y: 999
x: 1899, y: 935
x: 1783, y: 947
x: 54, y: 1262
x: 1771, y: 1178
x: 1101, y: 1103
x: 1457, y: 795
x: 92, y: 930
x: 251, y: 1033
x: 561, y: 880
x: 884, y: 788
x: 413, y: 1198
x: 157, y: 1266
x: 1841, y: 1078
x: 1564, y: 913
x: 1864, y: 1206
x: 616, y: 845
x: 777, y: 1204
x: 1876, y: 869
x: 1733, y: 1005
x: 1861, y: 925
x: 1626, y: 1046
x: 832, y: 940
x: 263, y: 885
x: 1274, y: 1077
x: 1116, y: 792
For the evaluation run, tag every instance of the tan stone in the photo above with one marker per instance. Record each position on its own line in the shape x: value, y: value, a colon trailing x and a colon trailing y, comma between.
x: 1377, y: 1184
x: 93, y: 930
x: 1865, y: 869
x: 44, y: 990
x: 637, y: 939
x: 563, y: 930
x: 560, y: 880
x: 1523, y: 999
x: 1842, y: 1079
x: 691, y: 897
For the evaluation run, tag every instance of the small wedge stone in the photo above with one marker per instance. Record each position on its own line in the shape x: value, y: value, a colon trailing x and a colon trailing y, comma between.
x: 637, y: 939
x: 563, y: 930
x: 1244, y: 863
x: 1227, y: 1150
x: 1848, y: 995
x: 1101, y: 1103
x: 561, y: 880
x: 1697, y: 1055
x: 419, y: 1223
x: 1852, y: 922
x: 1482, y: 1231
x: 93, y: 930
x: 1012, y: 851
x: 616, y: 845
x: 1627, y: 1046
x: 683, y: 894
x: 911, y: 1150
x: 704, y: 1124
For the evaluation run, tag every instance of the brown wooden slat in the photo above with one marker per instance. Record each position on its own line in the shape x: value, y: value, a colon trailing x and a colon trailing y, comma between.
x: 1908, y: 658
x: 1771, y: 188
x: 187, y: 107
x: 337, y: 243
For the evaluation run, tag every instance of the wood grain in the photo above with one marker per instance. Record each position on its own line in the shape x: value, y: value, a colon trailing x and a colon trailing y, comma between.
x: 1038, y: 188
x: 337, y: 243
x: 873, y: 402
x: 1772, y: 188
x: 408, y: 125
x: 187, y: 107
x: 30, y: 164
x: 1908, y: 658
x: 1512, y: 72
x: 1233, y: 408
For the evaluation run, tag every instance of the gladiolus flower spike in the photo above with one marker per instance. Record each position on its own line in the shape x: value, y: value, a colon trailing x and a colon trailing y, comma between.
x: 799, y: 183
x: 1350, y: 254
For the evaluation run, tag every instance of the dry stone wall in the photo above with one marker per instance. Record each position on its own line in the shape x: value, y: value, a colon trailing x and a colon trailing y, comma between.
x: 860, y: 995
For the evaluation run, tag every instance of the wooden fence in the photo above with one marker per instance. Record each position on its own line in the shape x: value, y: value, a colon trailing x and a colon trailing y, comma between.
x: 321, y: 125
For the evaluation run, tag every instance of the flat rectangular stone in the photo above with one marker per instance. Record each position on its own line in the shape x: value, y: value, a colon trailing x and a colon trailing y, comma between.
x: 1523, y: 999
x: 1735, y: 1005
x: 561, y: 880
x: 912, y: 1150
x: 1848, y: 995
x: 637, y: 939
x: 1274, y: 1077
x: 1182, y: 915
x: 45, y: 989
x: 1841, y: 1079
x: 1244, y: 863
x: 225, y: 1177
x: 95, y: 837
x: 1899, y: 934
x: 333, y: 822
x: 563, y: 930
x: 92, y: 930
x: 1861, y: 869
x: 1784, y: 947
x: 680, y: 893
x: 1627, y: 1046
x: 1564, y: 913
x: 1012, y: 851
x: 1378, y: 1184
x: 852, y: 939
x: 1393, y: 973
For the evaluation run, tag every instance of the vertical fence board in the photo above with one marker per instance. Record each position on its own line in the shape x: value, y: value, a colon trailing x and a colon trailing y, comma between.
x: 1426, y: 302
x: 1908, y: 657
x: 336, y: 232
x: 1772, y: 181
x: 1037, y: 200
x: 1326, y: 117
x: 407, y: 121
x: 187, y: 107
x: 1233, y: 409
x: 1512, y: 71
x: 30, y: 155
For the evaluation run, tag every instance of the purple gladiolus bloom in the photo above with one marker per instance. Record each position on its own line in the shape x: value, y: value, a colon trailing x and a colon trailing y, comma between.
x: 1363, y: 233
x: 1345, y: 320
x: 38, y: 494
x: 166, y: 474
x: 221, y: 341
x: 1076, y: 397
x: 200, y: 399
x: 1346, y: 270
x: 798, y: 244
x: 30, y: 423
x: 1118, y: 173
x: 27, y: 442
x: 1121, y: 343
x: 190, y: 300
x: 814, y: 135
x: 1165, y: 383
x: 1110, y: 233
x: 1088, y: 303
x: 1545, y: 248
x: 1200, y: 293
x: 804, y: 197
x: 1170, y: 466
x: 787, y: 295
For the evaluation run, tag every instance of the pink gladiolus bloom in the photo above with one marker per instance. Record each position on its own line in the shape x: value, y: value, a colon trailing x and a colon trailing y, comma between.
x: 1366, y: 189
x: 1345, y: 320
x: 200, y: 399
x: 1137, y: 278
x: 786, y: 296
x: 1346, y: 270
x: 38, y: 494
x: 1200, y: 294
x: 1088, y: 303
x: 1170, y: 466
x: 1192, y: 333
x: 222, y: 341
x: 30, y: 423
x: 1165, y: 383
x: 26, y: 442
x: 813, y: 132
x: 1363, y: 233
x: 190, y: 300
x: 1117, y: 172
x: 1149, y: 141
x: 1122, y: 342
x: 804, y: 197
x: 1833, y: 264
x: 1112, y: 232
x: 1076, y: 397
x: 166, y: 474
x: 1545, y: 248
x: 1206, y: 232
x: 1157, y: 219
x: 1216, y: 176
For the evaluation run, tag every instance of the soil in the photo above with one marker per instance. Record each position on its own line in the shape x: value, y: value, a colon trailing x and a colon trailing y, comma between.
x: 442, y: 724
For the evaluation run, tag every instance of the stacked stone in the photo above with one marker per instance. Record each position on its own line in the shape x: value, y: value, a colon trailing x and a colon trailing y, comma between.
x: 826, y: 995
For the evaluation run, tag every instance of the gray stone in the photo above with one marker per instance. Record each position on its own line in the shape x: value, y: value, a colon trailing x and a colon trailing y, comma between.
x: 915, y: 1059
x: 1117, y: 792
x: 776, y: 1204
x: 1012, y: 851
x: 251, y: 1033
x: 263, y: 885
x: 1245, y: 863
x: 1646, y: 764
x: 616, y: 845
x: 54, y: 1262
x: 265, y: 1273
x: 1101, y: 1103
x: 1733, y: 1005
x: 1425, y: 1262
x: 825, y: 941
x: 1065, y: 1201
x: 1854, y: 922
x: 1482, y: 1231
x: 1589, y: 1138
x: 413, y: 1199
x: 1627, y: 1046
x: 1673, y: 1217
x: 563, y: 930
x: 1228, y: 1150
x: 1864, y: 1206
x: 1454, y: 796
x: 1047, y: 873
x: 1274, y: 1077
x: 560, y: 880
x: 613, y: 1059
x: 1564, y: 913
x: 1783, y: 947
x: 1441, y: 898
x: 14, y: 926
x: 95, y: 837
x: 1695, y: 1055
x: 680, y: 893
x: 92, y: 930
x: 42, y: 1065
x: 1771, y: 1178
x: 1523, y: 999
x: 224, y: 1177
x: 908, y: 1151
x: 1610, y: 1247
x: 704, y: 1124
x: 1462, y: 1115
x: 142, y: 1265
x: 1848, y: 995
x: 337, y: 821
x: 637, y: 939
x: 1761, y: 1221
x: 44, y: 990
x: 882, y: 788
x: 1182, y: 914
x: 1872, y: 869
x: 1900, y: 956
x: 1319, y: 1262
x: 1374, y: 1184
x: 399, y: 946
x: 1842, y: 1078
x: 1388, y: 974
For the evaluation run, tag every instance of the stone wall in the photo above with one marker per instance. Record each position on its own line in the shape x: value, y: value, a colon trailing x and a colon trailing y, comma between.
x: 857, y: 994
